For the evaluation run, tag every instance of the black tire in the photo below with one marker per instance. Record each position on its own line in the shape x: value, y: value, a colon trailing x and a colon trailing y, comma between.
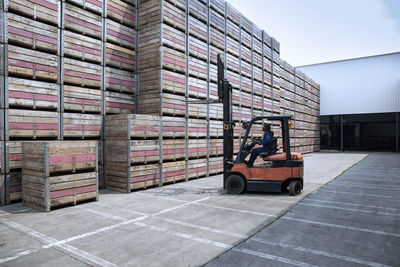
x: 235, y: 184
x: 295, y: 188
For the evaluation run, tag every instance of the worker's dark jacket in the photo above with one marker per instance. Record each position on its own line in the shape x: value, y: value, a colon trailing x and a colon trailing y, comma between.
x: 266, y: 140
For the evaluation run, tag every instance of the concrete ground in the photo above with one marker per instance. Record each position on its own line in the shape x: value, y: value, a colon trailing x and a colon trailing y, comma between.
x: 192, y: 223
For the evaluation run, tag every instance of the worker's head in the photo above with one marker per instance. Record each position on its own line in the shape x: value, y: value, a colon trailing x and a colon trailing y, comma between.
x: 266, y: 127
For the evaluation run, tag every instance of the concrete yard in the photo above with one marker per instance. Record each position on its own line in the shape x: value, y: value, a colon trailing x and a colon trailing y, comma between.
x: 352, y: 220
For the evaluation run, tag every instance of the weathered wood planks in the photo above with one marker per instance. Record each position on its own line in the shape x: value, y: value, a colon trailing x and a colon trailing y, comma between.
x: 79, y: 99
x: 79, y: 125
x: 81, y: 73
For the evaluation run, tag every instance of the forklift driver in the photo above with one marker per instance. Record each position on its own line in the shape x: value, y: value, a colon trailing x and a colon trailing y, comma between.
x: 265, y: 141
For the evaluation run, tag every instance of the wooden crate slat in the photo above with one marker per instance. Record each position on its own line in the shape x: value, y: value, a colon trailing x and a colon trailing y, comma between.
x: 246, y: 84
x: 31, y: 64
x: 233, y: 14
x: 173, y: 171
x: 216, y: 165
x: 275, y: 45
x: 179, y: 3
x: 218, y: 5
x: 217, y: 21
x: 122, y: 153
x: 173, y: 149
x: 81, y: 73
x: 233, y: 31
x: 81, y: 99
x: 81, y: 47
x: 174, y: 16
x: 216, y: 129
x: 41, y: 10
x: 14, y: 156
x: 120, y: 80
x: 77, y: 125
x: 197, y: 148
x: 217, y: 39
x: 246, y: 54
x: 31, y: 94
x: 198, y: 29
x: 123, y: 12
x: 267, y: 66
x: 141, y: 126
x: 198, y: 10
x: 119, y: 34
x: 170, y: 59
x: 257, y: 33
x: 213, y: 72
x: 31, y: 124
x: 197, y: 88
x: 13, y: 187
x: 234, y: 79
x: 257, y: 74
x: 119, y: 103
x: 198, y: 48
x: 214, y: 51
x: 173, y: 127
x: 213, y: 91
x: 197, y: 168
x: 120, y: 57
x: 29, y: 33
x: 216, y: 147
x: 257, y: 60
x: 267, y: 52
x: 236, y: 97
x: 246, y: 24
x: 171, y: 104
x: 232, y: 47
x: 197, y: 68
x: 267, y: 39
x: 246, y: 99
x: 246, y: 69
x: 257, y: 102
x: 246, y: 38
x: 197, y: 110
x: 81, y: 21
x: 171, y: 82
x: 197, y: 128
x: 216, y: 112
x: 92, y: 5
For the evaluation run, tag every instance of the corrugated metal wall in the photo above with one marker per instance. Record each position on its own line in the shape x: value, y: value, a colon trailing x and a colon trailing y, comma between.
x: 357, y: 86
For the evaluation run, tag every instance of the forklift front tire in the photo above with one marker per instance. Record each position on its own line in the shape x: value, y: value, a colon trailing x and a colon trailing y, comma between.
x: 235, y: 184
x: 295, y: 188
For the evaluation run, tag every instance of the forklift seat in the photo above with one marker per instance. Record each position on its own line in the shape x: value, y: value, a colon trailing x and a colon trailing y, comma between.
x: 273, y: 148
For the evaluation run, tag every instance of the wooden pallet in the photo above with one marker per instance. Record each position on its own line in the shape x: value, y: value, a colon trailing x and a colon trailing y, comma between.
x: 128, y: 152
x: 173, y: 149
x: 120, y: 81
x: 198, y: 29
x: 173, y: 171
x: 198, y: 10
x: 31, y: 124
x: 216, y: 165
x: 81, y: 47
x: 232, y: 14
x: 28, y: 63
x: 216, y: 147
x: 134, y: 177
x: 216, y: 129
x: 233, y: 48
x: 197, y: 128
x: 126, y: 127
x: 120, y: 57
x: 197, y: 148
x: 197, y: 88
x: 78, y: 125
x: 197, y: 168
x: 29, y: 33
x: 173, y: 127
x: 31, y: 94
x: 81, y: 21
x: 197, y: 68
x: 13, y: 190
x: 217, y: 39
x: 153, y: 80
x: 81, y: 73
x: 123, y: 12
x: 46, y: 10
x: 119, y: 103
x: 121, y: 35
x: 167, y: 104
x: 83, y: 100
x: 197, y: 110
x: 198, y: 48
x: 95, y: 6
x: 155, y: 57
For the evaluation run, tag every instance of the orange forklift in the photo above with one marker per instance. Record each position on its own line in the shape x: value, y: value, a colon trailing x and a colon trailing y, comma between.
x: 282, y: 172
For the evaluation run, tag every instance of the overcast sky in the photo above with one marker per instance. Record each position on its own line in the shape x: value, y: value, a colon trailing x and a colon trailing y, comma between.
x: 314, y: 31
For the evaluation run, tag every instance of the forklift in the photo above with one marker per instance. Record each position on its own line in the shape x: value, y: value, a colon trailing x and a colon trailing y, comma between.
x: 284, y: 171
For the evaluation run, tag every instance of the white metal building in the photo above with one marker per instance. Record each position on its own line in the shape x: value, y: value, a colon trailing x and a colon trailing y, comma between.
x: 360, y: 102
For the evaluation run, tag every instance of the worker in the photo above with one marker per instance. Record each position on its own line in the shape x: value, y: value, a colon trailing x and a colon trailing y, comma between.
x: 265, y: 141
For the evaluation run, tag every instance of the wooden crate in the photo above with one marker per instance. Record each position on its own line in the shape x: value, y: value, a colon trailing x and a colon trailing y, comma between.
x: 119, y: 103
x: 218, y: 5
x: 197, y: 88
x: 246, y: 69
x: 197, y: 148
x: 78, y: 125
x: 246, y: 24
x: 153, y: 80
x: 232, y: 31
x: 215, y: 165
x: 236, y: 97
x: 257, y: 74
x: 232, y: 14
x: 13, y: 187
x: 216, y: 129
x: 79, y: 99
x: 197, y: 128
x: 246, y: 84
x: 257, y: 33
x: 198, y: 29
x: 150, y: 12
x: 45, y: 183
x: 13, y: 156
x: 217, y: 39
x: 233, y: 48
x: 197, y: 68
x: 275, y: 45
x: 179, y: 3
x: 156, y: 57
x: 29, y: 33
x: 166, y: 104
x: 120, y: 80
x: 257, y: 88
x: 173, y: 127
x: 173, y: 149
x: 214, y: 51
x: 267, y: 40
x: 131, y: 152
x: 213, y: 72
x: 198, y: 48
x: 119, y: 34
x: 126, y: 179
x: 246, y: 39
x: 81, y: 21
x: 216, y: 147
x: 216, y: 111
x: 123, y: 12
x: 41, y: 10
x: 246, y: 99
x: 258, y: 61
x: 120, y: 57
x: 162, y: 35
x: 198, y: 10
x: 95, y: 6
x: 197, y: 110
x: 257, y: 102
x: 197, y: 168
x: 234, y: 79
x: 81, y: 73
x: 28, y: 63
x: 174, y: 171
x: 81, y: 47
x: 213, y: 91
x: 30, y: 94
x: 233, y: 63
x: 246, y: 55
x: 267, y: 67
x: 126, y: 127
x: 31, y: 124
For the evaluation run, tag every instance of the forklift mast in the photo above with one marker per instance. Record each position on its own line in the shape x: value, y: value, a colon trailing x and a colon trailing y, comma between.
x: 225, y: 96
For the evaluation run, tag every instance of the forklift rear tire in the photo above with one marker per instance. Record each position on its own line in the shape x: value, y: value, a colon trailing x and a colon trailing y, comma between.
x: 295, y: 188
x: 234, y: 184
